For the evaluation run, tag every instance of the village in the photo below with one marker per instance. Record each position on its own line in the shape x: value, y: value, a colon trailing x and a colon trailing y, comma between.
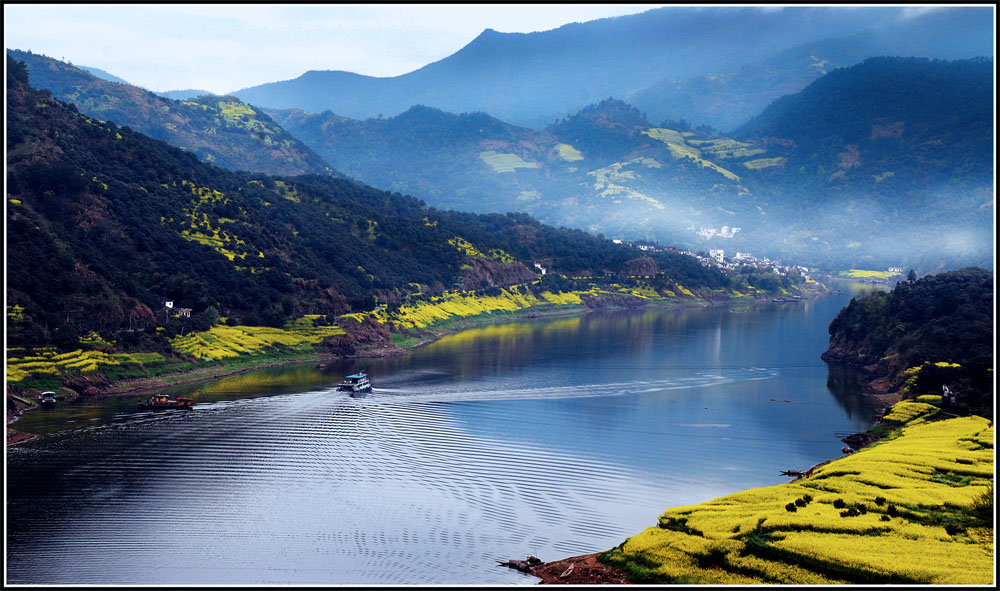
x: 741, y: 260
x: 717, y: 258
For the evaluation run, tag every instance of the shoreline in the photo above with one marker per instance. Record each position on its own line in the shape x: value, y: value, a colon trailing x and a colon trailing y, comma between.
x: 587, y: 569
x: 131, y: 386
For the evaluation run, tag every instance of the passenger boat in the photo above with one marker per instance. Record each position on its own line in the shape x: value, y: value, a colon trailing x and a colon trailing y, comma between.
x: 48, y: 398
x: 355, y: 384
x: 164, y: 401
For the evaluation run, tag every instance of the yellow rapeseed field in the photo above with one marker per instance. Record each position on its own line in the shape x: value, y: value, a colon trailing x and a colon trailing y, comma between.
x: 897, y: 511
x: 224, y: 342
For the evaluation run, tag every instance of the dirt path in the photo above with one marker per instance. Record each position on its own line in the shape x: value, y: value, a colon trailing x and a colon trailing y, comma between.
x: 579, y: 570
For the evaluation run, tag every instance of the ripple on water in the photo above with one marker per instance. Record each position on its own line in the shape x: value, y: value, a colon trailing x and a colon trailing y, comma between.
x: 424, y: 481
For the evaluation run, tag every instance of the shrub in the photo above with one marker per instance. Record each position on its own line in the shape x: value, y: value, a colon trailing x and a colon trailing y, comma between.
x: 982, y: 507
x: 953, y: 529
x: 791, y: 507
x: 839, y: 504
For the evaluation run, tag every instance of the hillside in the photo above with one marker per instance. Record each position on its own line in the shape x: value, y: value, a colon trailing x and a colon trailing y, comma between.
x: 727, y: 98
x: 604, y: 169
x: 916, y: 509
x: 797, y: 184
x: 220, y: 130
x: 897, y: 147
x: 532, y: 79
x: 925, y: 333
x: 105, y: 224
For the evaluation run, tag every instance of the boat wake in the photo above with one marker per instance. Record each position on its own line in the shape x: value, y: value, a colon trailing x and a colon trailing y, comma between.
x: 471, y: 391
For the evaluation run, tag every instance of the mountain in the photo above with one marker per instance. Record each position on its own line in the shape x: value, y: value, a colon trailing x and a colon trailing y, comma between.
x: 423, y: 151
x: 532, y: 79
x: 221, y: 130
x: 605, y: 169
x: 184, y: 95
x: 105, y: 223
x: 860, y: 168
x: 725, y: 99
x: 903, y: 146
x: 104, y: 75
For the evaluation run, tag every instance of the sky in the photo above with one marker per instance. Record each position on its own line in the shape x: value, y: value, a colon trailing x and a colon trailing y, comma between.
x: 226, y: 47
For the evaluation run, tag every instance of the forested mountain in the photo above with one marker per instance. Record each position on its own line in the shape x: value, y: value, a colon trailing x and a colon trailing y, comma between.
x: 424, y: 152
x: 532, y: 79
x: 104, y: 223
x: 904, y: 145
x: 885, y: 163
x: 726, y: 99
x: 220, y: 130
x: 928, y: 332
x: 604, y: 169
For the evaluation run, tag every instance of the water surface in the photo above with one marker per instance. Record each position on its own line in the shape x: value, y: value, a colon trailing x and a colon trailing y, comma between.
x: 554, y: 438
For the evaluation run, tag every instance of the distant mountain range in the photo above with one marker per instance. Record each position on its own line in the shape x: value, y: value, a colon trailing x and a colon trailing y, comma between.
x: 819, y: 175
x: 220, y: 130
x: 843, y: 159
x: 715, y: 66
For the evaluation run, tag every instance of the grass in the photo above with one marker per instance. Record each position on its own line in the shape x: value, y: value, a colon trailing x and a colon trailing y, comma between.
x: 916, y: 508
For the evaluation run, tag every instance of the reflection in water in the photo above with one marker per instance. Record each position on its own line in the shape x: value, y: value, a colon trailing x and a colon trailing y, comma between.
x: 844, y: 383
x: 549, y: 437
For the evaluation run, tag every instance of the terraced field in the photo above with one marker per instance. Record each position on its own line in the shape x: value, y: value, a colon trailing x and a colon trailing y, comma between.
x: 503, y: 162
x: 903, y: 510
x: 686, y: 147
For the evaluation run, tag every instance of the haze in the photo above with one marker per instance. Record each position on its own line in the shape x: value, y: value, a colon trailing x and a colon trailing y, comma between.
x: 223, y: 48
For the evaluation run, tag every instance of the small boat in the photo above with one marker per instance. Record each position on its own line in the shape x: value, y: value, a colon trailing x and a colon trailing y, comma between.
x: 355, y: 384
x: 164, y: 401
x: 48, y: 398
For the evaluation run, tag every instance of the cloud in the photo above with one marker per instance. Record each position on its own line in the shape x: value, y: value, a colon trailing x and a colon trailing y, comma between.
x: 918, y: 11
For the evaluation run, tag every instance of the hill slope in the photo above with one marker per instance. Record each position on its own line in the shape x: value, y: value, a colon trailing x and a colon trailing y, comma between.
x: 923, y: 334
x: 104, y: 224
x: 220, y: 130
x: 897, y: 147
x: 915, y: 509
x: 728, y: 98
x: 823, y: 176
x: 604, y: 169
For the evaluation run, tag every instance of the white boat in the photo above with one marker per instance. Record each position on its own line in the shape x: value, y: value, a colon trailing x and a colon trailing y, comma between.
x: 355, y: 384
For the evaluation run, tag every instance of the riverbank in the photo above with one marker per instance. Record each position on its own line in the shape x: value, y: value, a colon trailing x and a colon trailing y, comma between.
x: 367, y: 340
x: 915, y: 509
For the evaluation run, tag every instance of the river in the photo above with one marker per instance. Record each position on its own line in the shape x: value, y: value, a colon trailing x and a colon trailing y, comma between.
x: 552, y: 437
